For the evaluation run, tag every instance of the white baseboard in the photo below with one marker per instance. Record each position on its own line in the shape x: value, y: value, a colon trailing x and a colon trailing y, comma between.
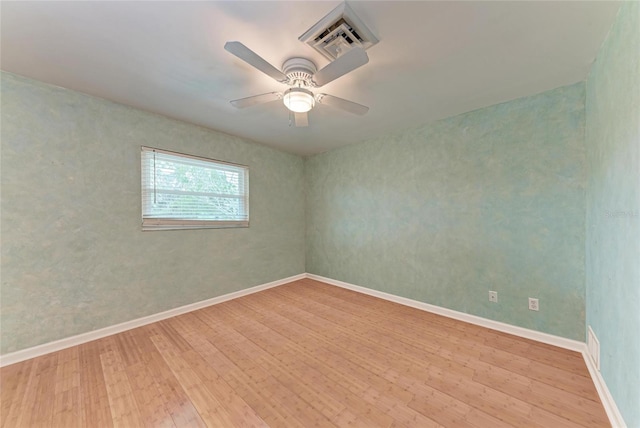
x: 615, y: 418
x: 605, y: 396
x: 46, y: 348
x: 538, y: 336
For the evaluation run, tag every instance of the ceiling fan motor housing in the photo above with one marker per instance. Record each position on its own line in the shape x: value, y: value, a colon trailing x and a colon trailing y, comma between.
x: 299, y: 71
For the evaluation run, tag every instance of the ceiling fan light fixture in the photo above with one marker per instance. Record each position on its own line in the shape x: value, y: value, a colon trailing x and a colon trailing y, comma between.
x: 299, y: 100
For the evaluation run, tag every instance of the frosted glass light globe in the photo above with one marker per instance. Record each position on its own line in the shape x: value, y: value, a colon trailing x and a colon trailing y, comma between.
x: 299, y: 100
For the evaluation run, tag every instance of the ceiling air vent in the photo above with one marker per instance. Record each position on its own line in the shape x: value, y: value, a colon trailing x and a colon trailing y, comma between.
x: 338, y: 32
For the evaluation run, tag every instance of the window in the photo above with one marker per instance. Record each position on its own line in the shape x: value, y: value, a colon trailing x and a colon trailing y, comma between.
x: 188, y: 192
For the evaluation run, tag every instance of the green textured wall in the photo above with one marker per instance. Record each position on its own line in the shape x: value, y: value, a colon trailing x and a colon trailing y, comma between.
x: 613, y: 209
x: 73, y: 256
x: 490, y: 200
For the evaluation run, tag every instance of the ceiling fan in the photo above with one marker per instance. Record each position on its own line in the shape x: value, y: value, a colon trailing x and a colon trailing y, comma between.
x: 302, y: 75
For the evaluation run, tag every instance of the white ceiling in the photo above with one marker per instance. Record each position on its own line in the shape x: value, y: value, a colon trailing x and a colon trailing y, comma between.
x: 434, y: 59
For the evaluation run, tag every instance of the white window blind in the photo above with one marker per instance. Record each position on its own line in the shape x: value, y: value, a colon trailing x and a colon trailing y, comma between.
x: 189, y: 192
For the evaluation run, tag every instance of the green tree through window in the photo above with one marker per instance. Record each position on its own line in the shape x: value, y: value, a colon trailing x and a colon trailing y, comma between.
x: 195, y: 192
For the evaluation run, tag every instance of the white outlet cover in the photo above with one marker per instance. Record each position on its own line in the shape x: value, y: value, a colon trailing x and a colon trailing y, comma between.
x: 534, y: 304
x: 493, y: 296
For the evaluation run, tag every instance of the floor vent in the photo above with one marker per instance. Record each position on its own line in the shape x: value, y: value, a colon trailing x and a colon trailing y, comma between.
x: 338, y: 32
x: 594, y: 348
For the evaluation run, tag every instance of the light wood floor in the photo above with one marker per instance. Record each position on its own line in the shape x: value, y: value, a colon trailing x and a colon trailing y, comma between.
x: 301, y: 355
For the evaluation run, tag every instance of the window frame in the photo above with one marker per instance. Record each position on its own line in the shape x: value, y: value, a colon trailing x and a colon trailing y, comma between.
x: 158, y: 223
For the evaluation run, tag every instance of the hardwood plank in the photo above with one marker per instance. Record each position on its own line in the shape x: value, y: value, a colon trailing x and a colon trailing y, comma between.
x: 293, y: 397
x: 148, y: 396
x: 327, y: 399
x: 542, y: 395
x: 93, y: 388
x: 15, y: 380
x: 171, y: 392
x: 209, y: 408
x: 299, y: 355
x: 37, y: 407
x: 68, y: 407
x: 240, y: 413
x: 199, y: 334
x: 122, y: 403
x: 577, y: 385
x: 322, y: 349
x: 342, y: 374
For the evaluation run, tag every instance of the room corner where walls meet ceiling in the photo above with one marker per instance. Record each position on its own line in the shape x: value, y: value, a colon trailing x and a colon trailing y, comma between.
x: 433, y: 60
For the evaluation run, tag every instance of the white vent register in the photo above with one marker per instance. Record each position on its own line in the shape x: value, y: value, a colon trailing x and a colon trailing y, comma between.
x: 338, y: 32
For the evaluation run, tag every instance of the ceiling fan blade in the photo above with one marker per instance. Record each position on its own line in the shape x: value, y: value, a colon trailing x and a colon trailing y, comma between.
x: 252, y: 58
x: 301, y: 119
x: 256, y: 99
x: 342, y: 104
x: 349, y: 61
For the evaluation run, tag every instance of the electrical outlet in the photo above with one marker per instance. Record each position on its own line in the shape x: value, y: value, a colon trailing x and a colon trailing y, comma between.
x: 493, y: 296
x: 533, y: 304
